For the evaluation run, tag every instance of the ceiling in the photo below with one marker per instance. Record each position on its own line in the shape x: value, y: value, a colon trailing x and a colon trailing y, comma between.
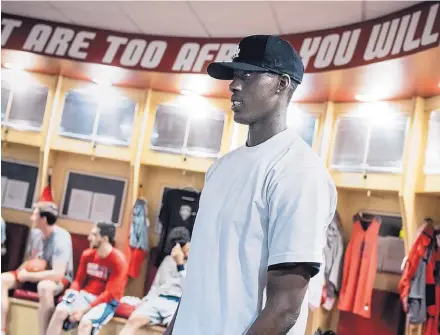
x: 206, y: 18
x: 399, y: 78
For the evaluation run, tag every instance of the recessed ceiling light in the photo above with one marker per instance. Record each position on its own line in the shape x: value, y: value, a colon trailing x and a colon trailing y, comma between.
x: 102, y: 82
x: 13, y: 66
x: 188, y: 92
x: 364, y: 97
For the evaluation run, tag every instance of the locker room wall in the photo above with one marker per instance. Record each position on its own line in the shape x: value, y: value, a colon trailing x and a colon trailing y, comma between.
x: 168, y: 160
x: 351, y: 202
x: 156, y: 179
x: 26, y: 154
x: 158, y: 170
x: 153, y: 181
x: 63, y: 162
x: 427, y: 205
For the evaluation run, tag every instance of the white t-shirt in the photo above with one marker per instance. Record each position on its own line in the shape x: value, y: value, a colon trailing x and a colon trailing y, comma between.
x: 260, y: 206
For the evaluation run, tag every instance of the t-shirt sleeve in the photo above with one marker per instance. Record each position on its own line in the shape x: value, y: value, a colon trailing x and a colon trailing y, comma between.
x: 301, y: 205
x: 63, y: 249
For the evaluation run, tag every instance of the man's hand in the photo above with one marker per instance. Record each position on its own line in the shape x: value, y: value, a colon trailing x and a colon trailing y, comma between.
x: 178, y: 255
x: 405, y: 304
x: 76, y: 315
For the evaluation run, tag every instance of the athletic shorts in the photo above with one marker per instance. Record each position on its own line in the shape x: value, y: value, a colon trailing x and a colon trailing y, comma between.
x: 61, y: 286
x: 159, y: 310
x: 99, y: 315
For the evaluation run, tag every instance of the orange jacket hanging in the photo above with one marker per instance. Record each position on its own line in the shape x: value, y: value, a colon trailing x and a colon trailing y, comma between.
x: 360, y: 265
x: 418, y: 250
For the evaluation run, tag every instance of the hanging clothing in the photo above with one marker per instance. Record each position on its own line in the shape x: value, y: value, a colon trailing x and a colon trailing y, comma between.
x: 333, y: 253
x: 177, y: 215
x: 360, y: 264
x: 47, y: 194
x: 138, y: 241
x: 139, y: 225
x: 420, y: 282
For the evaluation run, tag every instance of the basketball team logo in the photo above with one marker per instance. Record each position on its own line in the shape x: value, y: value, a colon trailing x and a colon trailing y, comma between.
x: 185, y: 212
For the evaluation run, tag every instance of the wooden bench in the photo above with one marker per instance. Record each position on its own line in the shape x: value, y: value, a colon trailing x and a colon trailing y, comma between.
x: 23, y: 319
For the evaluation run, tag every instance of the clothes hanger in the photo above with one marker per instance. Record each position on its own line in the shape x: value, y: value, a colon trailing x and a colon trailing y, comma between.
x: 191, y: 187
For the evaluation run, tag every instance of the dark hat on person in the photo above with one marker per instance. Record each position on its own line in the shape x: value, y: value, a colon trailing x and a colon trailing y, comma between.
x: 261, y: 53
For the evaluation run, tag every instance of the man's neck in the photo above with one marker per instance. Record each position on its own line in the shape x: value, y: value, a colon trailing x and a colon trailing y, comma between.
x: 47, y: 231
x: 262, y: 131
x: 104, y: 250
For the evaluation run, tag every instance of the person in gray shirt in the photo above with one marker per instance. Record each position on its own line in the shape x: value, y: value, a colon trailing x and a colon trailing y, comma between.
x: 160, y: 304
x: 50, y: 243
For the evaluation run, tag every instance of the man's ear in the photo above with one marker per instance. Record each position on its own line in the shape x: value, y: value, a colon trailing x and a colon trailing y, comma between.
x: 284, y: 83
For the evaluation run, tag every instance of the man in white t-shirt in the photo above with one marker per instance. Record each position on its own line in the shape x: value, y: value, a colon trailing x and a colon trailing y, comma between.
x: 263, y: 211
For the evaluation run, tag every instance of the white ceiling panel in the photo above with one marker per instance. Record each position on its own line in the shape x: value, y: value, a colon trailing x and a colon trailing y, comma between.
x: 173, y: 18
x: 302, y: 16
x: 206, y: 18
x: 106, y: 18
x: 236, y: 19
x: 374, y: 9
x: 39, y: 10
x: 90, y: 6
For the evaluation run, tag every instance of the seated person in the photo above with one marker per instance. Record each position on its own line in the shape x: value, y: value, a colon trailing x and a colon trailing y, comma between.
x: 48, y: 264
x: 161, y: 302
x: 99, y: 284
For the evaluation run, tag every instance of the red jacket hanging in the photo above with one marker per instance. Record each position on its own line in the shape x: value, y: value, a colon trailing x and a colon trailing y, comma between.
x: 360, y: 265
x: 417, y: 252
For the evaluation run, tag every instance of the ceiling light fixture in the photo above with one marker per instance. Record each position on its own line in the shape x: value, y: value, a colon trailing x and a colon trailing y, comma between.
x: 13, y: 66
x: 102, y: 82
x: 188, y: 92
x: 364, y: 98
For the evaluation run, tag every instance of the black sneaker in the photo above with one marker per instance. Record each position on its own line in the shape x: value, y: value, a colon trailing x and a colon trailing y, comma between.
x: 67, y: 325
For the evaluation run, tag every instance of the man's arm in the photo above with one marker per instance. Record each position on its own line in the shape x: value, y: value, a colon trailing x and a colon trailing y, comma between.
x: 81, y: 273
x: 286, y: 288
x: 56, y: 274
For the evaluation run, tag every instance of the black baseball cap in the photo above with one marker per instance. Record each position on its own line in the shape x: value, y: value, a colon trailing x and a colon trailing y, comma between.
x: 261, y: 53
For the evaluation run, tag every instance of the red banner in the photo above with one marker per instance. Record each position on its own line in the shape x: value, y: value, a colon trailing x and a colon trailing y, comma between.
x: 396, y: 35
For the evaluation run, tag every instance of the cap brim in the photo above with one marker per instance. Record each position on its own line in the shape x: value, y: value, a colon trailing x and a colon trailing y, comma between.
x: 225, y: 70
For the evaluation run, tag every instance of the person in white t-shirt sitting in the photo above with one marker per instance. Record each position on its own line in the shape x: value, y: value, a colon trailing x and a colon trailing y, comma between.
x: 160, y: 304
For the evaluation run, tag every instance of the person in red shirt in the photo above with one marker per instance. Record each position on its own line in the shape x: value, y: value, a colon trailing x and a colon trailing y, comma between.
x: 100, y: 282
